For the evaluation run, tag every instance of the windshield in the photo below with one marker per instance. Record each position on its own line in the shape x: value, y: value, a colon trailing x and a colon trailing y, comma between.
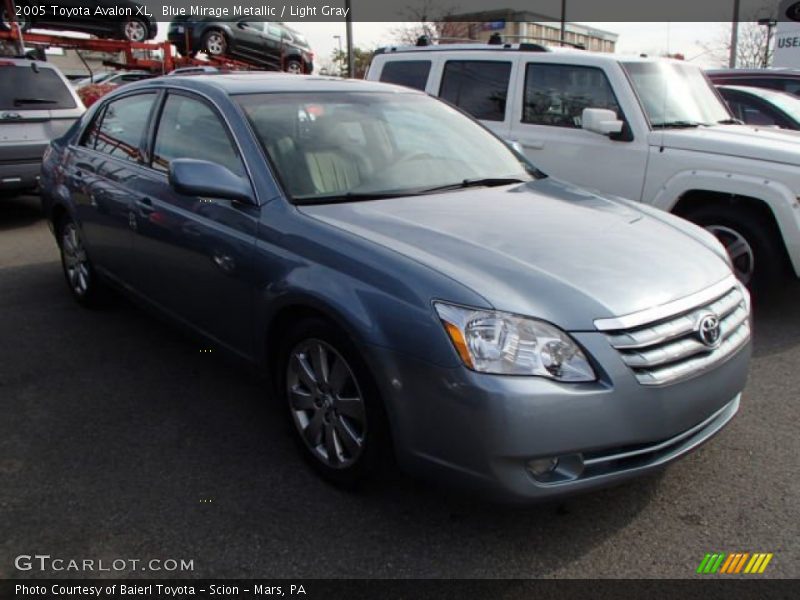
x: 785, y: 102
x: 337, y: 145
x: 26, y: 88
x: 676, y: 95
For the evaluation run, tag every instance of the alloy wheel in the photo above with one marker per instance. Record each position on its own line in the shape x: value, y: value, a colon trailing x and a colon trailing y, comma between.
x: 294, y: 67
x: 135, y: 31
x: 739, y: 250
x: 215, y: 43
x: 326, y: 403
x: 76, y: 262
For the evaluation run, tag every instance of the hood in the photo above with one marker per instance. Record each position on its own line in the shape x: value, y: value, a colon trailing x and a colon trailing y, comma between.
x: 544, y: 249
x: 743, y: 141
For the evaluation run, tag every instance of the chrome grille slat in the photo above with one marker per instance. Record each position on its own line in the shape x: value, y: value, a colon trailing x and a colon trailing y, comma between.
x: 670, y: 350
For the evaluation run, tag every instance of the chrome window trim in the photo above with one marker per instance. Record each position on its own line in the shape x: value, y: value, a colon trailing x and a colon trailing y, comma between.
x: 671, y: 309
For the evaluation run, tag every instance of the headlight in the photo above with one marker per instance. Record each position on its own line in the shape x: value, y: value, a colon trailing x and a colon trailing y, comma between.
x: 505, y: 344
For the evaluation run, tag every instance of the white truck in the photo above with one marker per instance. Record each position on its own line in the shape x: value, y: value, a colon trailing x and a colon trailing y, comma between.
x: 651, y: 130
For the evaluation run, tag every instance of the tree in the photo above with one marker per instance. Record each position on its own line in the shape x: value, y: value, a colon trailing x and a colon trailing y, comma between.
x: 361, y: 57
x: 751, y: 49
x: 426, y: 18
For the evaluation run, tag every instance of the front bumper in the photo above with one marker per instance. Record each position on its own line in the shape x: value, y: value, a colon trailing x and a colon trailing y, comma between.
x: 480, y: 431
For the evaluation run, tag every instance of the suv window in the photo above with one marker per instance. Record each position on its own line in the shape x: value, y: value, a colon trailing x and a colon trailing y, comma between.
x: 478, y: 87
x: 119, y: 128
x: 410, y: 73
x: 26, y: 89
x: 556, y: 95
x: 189, y: 128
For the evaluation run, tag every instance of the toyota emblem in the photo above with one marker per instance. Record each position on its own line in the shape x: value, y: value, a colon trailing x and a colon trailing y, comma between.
x: 709, y: 331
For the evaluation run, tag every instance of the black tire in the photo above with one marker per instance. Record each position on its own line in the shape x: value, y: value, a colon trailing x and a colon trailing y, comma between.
x: 294, y: 65
x: 135, y: 30
x: 758, y: 231
x: 375, y: 449
x: 87, y: 289
x: 215, y: 43
x: 5, y: 24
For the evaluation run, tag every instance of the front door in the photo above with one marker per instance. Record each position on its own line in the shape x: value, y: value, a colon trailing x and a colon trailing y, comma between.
x: 195, y: 255
x: 547, y: 123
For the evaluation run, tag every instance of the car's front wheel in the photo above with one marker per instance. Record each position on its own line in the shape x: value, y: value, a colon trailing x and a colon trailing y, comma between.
x: 334, y: 406
x: 81, y: 277
x: 294, y: 66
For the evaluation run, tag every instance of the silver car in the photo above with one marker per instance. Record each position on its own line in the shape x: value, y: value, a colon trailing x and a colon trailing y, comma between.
x: 37, y: 105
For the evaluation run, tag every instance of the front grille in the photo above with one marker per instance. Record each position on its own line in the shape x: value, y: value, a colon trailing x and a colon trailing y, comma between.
x: 670, y: 349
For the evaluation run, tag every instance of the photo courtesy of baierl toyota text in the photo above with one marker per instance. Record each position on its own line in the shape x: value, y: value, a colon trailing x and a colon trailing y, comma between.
x: 399, y: 299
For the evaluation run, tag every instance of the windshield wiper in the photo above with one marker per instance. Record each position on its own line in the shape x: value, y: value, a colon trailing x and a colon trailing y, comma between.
x: 22, y: 101
x: 351, y: 197
x: 730, y: 122
x: 468, y: 183
x: 677, y: 125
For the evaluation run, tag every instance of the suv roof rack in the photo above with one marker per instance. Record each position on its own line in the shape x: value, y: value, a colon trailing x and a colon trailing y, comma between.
x: 463, y: 44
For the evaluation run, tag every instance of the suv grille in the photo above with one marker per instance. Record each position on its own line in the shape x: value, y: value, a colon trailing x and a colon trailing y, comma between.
x: 671, y: 349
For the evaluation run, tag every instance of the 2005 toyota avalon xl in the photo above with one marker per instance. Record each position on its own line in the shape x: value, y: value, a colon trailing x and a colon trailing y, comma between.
x: 411, y: 284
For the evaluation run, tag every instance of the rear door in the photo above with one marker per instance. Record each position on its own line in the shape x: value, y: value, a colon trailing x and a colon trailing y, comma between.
x: 480, y: 87
x: 104, y: 173
x: 194, y: 255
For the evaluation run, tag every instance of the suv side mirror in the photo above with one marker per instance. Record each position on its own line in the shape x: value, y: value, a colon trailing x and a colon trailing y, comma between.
x: 601, y: 120
x: 203, y: 178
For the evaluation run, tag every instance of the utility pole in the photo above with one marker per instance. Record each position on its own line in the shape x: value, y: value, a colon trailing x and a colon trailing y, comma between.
x: 734, y: 35
x: 770, y: 25
x: 351, y: 60
x: 340, y: 58
x: 564, y: 21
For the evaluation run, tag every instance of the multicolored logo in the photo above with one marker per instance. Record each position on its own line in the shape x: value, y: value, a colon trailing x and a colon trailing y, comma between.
x: 734, y: 563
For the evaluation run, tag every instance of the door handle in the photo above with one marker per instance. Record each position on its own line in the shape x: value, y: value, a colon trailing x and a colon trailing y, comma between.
x: 145, y: 206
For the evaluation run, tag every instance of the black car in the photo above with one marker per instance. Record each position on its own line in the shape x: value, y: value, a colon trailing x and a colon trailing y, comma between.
x: 134, y: 25
x: 265, y: 43
x: 762, y: 107
x: 782, y: 80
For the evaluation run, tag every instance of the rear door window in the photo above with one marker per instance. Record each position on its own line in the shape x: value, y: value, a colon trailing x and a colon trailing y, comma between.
x: 410, y: 73
x: 120, y: 127
x: 479, y: 87
x: 26, y: 89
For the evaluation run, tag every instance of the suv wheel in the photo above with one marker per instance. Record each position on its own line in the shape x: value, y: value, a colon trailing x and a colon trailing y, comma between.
x: 336, y: 412
x: 78, y: 271
x: 294, y: 66
x: 215, y: 43
x: 134, y: 30
x: 752, y: 243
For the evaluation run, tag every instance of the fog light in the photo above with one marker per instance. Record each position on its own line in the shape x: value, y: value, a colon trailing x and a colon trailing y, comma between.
x: 540, y: 467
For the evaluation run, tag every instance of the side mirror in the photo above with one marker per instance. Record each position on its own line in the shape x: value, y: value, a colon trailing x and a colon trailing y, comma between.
x: 515, y: 146
x: 601, y: 120
x: 203, y: 178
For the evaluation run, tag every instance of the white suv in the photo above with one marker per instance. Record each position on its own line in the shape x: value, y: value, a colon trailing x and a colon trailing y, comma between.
x: 651, y: 130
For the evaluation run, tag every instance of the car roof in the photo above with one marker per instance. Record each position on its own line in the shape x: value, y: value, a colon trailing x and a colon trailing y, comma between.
x: 26, y: 62
x: 771, y: 72
x: 761, y: 92
x: 262, y: 82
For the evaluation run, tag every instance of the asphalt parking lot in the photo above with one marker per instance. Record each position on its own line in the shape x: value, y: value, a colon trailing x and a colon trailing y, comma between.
x: 119, y: 438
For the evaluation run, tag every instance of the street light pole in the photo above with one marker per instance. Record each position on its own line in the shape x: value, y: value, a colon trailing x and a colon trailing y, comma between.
x: 734, y: 35
x: 564, y: 21
x: 340, y: 58
x: 770, y: 25
x: 351, y: 60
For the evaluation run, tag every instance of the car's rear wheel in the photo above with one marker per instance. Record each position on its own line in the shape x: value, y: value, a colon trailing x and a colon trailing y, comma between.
x: 134, y: 30
x: 334, y: 406
x: 294, y: 66
x: 752, y: 241
x: 81, y: 277
x: 215, y: 43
